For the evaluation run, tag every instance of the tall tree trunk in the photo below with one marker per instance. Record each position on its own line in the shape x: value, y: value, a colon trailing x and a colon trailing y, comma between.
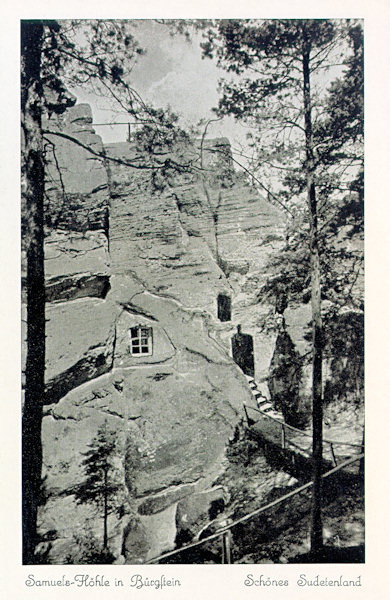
x: 31, y: 39
x: 105, y: 513
x: 316, y: 524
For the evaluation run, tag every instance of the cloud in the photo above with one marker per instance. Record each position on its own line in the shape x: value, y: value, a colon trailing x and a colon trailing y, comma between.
x: 173, y: 73
x: 187, y: 92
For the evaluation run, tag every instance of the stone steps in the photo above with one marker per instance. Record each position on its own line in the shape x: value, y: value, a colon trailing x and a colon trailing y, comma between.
x: 262, y: 402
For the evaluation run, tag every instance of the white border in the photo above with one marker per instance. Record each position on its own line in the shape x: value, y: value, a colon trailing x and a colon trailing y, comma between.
x: 206, y: 581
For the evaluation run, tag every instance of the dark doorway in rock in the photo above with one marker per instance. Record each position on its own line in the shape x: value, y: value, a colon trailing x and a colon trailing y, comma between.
x: 224, y: 307
x: 242, y: 349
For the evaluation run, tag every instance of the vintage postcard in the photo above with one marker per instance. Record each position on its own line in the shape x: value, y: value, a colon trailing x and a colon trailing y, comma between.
x: 197, y: 231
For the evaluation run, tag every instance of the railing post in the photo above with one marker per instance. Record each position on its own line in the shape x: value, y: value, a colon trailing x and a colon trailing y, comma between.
x: 246, y: 414
x: 226, y: 549
x: 333, y: 455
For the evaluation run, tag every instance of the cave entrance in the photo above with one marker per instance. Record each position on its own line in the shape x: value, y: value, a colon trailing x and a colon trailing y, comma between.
x: 242, y: 349
x: 224, y: 307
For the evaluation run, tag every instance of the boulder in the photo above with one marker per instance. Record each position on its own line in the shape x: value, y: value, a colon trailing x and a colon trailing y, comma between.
x: 193, y: 513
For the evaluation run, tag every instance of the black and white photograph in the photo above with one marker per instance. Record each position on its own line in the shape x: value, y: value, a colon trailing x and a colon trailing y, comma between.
x: 194, y: 300
x: 192, y: 291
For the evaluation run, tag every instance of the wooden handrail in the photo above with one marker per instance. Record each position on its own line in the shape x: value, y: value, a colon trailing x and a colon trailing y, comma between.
x: 254, y: 513
x: 280, y: 423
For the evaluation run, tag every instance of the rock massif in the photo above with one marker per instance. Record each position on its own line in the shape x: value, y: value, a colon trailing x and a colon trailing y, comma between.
x: 123, y: 258
x: 134, y: 273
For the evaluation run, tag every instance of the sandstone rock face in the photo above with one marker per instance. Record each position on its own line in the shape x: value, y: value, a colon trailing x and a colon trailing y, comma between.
x: 76, y: 185
x: 197, y: 510
x: 76, y: 265
x: 76, y: 257
x: 290, y: 381
x: 168, y: 242
x: 155, y: 263
x: 285, y: 385
x: 133, y: 272
x: 171, y: 424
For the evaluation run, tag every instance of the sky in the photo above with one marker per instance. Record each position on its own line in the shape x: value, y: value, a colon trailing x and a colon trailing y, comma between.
x: 171, y: 73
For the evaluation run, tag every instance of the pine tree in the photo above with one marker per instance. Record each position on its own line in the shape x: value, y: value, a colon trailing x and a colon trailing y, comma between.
x: 275, y: 65
x: 100, y: 487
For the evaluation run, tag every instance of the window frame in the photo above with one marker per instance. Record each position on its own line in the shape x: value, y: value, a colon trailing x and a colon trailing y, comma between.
x: 141, y: 341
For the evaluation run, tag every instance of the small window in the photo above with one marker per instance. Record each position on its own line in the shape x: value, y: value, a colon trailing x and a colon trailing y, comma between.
x: 141, y: 341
